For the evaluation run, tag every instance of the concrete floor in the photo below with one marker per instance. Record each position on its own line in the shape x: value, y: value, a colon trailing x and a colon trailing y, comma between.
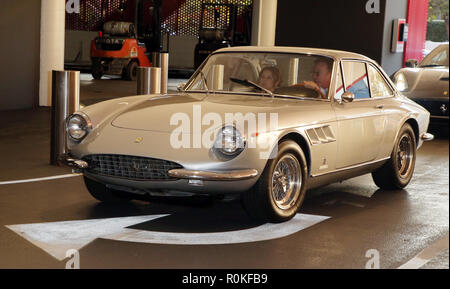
x: 399, y: 225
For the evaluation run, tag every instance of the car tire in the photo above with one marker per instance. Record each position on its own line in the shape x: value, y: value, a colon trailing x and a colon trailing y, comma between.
x: 131, y: 71
x: 97, y: 70
x: 104, y: 194
x: 281, y: 188
x: 398, y: 171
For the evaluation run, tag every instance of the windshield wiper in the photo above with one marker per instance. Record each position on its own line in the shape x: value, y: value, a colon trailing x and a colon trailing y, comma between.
x: 251, y: 83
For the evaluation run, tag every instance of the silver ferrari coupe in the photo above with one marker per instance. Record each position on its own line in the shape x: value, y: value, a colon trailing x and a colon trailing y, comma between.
x: 267, y: 123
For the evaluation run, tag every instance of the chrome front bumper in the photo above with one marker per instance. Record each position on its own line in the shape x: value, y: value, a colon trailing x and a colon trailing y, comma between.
x: 76, y: 165
x: 234, y: 175
x: 426, y: 136
x: 213, y: 176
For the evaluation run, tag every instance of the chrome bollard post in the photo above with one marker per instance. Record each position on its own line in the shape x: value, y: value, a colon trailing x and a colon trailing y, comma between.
x: 164, y: 64
x: 65, y: 101
x: 156, y: 59
x: 161, y: 59
x: 148, y: 80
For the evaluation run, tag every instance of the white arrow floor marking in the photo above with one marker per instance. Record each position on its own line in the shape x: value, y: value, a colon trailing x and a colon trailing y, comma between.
x: 57, y: 237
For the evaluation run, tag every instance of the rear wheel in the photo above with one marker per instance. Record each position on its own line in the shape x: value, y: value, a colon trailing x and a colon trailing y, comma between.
x: 398, y: 171
x: 104, y: 194
x: 131, y: 71
x: 281, y: 189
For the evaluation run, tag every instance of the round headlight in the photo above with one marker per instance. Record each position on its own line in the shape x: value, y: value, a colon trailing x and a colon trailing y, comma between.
x: 229, y: 141
x: 400, y: 82
x: 77, y: 127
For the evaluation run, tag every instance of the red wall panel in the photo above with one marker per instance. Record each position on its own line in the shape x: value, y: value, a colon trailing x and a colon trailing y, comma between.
x: 417, y: 20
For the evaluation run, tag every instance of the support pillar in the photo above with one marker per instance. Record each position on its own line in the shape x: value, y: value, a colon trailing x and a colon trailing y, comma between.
x: 53, y: 14
x: 264, y: 22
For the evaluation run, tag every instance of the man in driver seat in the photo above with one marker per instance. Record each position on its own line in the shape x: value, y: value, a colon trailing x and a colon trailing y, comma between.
x: 321, y: 76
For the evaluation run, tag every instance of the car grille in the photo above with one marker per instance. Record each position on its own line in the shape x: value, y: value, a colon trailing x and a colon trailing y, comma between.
x: 130, y: 167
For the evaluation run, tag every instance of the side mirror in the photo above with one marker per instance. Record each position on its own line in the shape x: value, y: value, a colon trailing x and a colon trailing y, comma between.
x: 412, y: 63
x: 347, y: 96
x: 181, y: 86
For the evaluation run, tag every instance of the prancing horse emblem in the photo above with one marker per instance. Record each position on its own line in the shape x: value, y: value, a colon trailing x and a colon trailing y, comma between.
x: 138, y: 140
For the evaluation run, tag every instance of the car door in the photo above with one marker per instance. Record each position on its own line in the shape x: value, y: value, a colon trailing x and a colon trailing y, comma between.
x: 360, y: 122
x: 384, y: 94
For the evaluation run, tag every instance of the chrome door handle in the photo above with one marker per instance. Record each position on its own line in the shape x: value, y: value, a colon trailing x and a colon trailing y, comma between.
x: 380, y: 106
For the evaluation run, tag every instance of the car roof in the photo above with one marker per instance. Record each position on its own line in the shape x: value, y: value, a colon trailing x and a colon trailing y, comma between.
x: 336, y: 54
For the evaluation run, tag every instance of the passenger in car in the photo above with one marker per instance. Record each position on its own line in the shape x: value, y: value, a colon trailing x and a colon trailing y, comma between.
x: 269, y: 78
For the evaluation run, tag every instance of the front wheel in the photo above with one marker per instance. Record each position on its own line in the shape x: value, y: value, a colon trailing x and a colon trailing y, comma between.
x: 97, y: 70
x: 131, y: 71
x: 281, y: 189
x: 398, y: 171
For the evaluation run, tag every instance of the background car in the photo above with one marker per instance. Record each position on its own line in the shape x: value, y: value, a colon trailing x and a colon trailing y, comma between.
x: 427, y: 83
x: 267, y: 139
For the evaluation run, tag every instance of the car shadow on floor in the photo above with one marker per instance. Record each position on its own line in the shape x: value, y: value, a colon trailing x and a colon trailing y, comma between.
x: 183, y: 216
x: 228, y: 215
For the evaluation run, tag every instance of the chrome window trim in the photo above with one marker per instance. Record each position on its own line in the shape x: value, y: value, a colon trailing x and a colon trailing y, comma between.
x: 372, y: 98
x: 332, y: 87
x: 386, y: 79
x: 368, y: 85
x: 368, y: 80
x: 194, y: 75
x: 339, y: 66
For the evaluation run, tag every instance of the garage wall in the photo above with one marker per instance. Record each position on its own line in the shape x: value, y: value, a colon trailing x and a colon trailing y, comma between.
x: 19, y: 53
x: 181, y: 51
x: 391, y: 62
x: 78, y: 47
x: 342, y: 25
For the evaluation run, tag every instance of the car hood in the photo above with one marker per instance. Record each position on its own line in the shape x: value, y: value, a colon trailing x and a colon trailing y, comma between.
x: 156, y: 113
x: 429, y: 82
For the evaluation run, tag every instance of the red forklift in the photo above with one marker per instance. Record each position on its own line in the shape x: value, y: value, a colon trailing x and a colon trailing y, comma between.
x: 122, y: 46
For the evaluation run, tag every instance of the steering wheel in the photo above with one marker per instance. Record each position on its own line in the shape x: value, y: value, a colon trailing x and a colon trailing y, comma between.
x: 300, y: 90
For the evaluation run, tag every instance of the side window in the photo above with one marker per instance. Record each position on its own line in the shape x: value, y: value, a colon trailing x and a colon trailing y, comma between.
x: 378, y: 85
x: 355, y: 77
x: 339, y: 84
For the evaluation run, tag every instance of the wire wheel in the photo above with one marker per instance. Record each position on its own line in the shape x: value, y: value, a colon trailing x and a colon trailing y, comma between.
x: 397, y: 172
x: 405, y: 155
x: 286, y: 182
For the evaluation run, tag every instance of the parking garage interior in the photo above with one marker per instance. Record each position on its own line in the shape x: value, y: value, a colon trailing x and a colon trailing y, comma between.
x: 46, y: 210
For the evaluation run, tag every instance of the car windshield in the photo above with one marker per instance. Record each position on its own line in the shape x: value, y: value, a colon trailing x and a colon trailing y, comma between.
x: 299, y: 75
x: 438, y: 57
